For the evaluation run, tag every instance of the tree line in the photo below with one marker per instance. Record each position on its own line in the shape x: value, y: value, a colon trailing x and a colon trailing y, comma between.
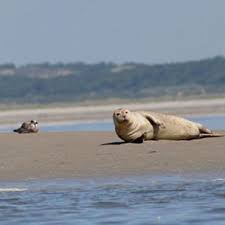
x: 46, y: 83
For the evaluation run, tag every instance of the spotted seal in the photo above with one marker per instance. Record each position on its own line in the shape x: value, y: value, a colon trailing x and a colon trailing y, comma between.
x: 28, y: 127
x: 141, y: 126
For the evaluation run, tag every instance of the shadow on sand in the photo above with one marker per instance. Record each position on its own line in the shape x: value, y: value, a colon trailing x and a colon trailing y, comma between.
x: 121, y: 143
x: 115, y: 143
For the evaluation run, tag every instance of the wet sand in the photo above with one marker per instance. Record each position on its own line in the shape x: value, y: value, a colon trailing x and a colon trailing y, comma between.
x: 102, y: 154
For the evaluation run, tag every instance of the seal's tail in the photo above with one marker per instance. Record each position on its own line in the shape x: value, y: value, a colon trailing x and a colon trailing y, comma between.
x: 211, y: 135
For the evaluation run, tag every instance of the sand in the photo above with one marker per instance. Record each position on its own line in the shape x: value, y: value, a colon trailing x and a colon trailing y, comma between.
x: 102, y: 154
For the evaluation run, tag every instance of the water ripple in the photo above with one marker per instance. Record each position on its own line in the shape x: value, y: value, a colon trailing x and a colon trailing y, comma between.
x: 134, y: 201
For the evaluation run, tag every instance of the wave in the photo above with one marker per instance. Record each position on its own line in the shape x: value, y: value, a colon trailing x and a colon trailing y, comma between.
x: 13, y: 189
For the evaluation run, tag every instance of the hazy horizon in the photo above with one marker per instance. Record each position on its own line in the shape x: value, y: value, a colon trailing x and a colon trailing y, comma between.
x: 93, y: 31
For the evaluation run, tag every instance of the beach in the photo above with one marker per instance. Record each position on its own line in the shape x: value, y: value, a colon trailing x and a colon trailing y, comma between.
x: 103, y: 154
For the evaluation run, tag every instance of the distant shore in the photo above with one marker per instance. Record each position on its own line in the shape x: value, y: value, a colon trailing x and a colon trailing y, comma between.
x: 102, y: 154
x: 57, y: 114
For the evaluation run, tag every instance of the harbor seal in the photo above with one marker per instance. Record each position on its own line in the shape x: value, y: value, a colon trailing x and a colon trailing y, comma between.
x: 28, y: 127
x: 141, y: 126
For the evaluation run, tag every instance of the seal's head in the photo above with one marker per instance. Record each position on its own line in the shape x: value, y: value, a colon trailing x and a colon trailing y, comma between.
x: 34, y: 122
x: 121, y: 115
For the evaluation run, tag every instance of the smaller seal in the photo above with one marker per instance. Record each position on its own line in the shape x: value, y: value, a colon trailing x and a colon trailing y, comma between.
x: 28, y: 127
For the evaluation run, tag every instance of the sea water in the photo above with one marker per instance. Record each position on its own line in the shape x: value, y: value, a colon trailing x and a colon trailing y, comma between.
x: 169, y: 200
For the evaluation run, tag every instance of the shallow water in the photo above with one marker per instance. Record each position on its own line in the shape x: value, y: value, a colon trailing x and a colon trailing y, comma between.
x: 134, y: 200
x: 212, y: 122
x: 216, y: 122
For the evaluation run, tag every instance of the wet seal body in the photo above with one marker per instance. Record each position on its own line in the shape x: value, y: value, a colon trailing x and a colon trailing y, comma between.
x: 141, y: 126
x: 28, y: 127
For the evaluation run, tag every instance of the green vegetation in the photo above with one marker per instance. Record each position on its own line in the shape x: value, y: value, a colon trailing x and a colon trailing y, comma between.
x: 49, y: 83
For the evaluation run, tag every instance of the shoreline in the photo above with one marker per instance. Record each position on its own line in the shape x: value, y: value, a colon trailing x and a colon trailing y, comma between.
x: 104, y: 112
x: 79, y: 155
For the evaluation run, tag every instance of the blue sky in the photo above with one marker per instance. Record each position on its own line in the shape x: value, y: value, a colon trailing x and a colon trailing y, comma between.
x: 148, y: 31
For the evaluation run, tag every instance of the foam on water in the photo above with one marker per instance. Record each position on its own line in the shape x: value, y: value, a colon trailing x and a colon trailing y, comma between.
x: 12, y: 189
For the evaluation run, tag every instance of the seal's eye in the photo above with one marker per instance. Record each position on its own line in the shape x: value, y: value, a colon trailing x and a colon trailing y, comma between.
x: 126, y: 112
x: 118, y: 114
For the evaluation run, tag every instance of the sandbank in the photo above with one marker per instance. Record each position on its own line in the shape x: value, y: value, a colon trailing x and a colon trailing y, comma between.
x: 102, y: 154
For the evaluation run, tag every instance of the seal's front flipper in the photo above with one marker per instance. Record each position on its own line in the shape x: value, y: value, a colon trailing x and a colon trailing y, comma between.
x: 154, y: 121
x: 138, y: 140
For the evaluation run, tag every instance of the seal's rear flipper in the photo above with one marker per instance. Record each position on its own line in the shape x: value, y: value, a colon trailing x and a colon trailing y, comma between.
x: 19, y: 130
x: 203, y: 129
x: 206, y: 133
x: 211, y: 135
